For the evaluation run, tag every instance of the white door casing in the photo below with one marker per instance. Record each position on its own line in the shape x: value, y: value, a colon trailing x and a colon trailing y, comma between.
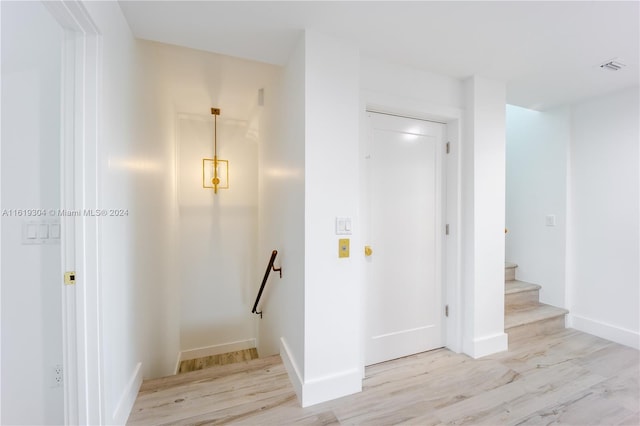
x: 405, y: 210
x: 82, y: 330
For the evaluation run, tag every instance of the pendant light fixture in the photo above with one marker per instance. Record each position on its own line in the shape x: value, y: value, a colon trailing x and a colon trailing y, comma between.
x: 215, y: 172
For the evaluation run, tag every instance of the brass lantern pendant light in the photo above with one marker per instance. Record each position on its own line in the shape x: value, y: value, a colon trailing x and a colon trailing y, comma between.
x: 215, y: 171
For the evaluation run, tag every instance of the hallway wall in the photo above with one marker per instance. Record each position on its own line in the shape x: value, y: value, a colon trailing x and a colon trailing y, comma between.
x: 281, y: 211
x: 604, y: 217
x: 140, y: 316
x: 483, y: 216
x: 332, y: 310
x: 31, y: 274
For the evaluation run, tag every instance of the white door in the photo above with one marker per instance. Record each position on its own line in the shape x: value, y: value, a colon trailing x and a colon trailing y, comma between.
x: 404, y: 215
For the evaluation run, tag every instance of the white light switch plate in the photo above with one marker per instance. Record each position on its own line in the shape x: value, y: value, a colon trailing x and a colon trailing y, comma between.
x: 343, y: 226
x: 41, y: 231
x: 550, y: 220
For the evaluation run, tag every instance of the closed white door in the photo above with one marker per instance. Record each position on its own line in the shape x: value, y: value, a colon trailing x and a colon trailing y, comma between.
x: 403, y: 311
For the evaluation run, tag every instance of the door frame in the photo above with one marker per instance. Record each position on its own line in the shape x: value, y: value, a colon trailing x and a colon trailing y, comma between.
x: 452, y: 118
x: 81, y: 303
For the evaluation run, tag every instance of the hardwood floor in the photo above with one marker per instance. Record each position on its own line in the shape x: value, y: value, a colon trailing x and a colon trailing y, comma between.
x: 565, y: 378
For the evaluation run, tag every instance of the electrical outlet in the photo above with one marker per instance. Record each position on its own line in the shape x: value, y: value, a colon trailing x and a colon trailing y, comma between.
x: 56, y: 376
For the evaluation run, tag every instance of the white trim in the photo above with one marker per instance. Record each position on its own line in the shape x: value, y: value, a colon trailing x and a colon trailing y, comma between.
x: 330, y: 387
x: 67, y: 242
x: 176, y: 369
x: 222, y: 348
x: 483, y: 346
x: 453, y: 245
x: 128, y: 397
x: 320, y: 389
x: 607, y: 331
x: 292, y: 368
x: 0, y: 226
x: 82, y: 328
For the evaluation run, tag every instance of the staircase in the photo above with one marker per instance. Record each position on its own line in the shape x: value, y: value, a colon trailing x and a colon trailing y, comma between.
x: 524, y: 315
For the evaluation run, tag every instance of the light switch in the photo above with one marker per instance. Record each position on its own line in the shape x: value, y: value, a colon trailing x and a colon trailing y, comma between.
x: 32, y: 231
x: 343, y: 226
x: 54, y: 230
x: 550, y: 220
x: 43, y: 231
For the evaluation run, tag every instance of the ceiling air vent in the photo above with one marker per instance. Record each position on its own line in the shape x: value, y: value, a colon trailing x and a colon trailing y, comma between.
x: 613, y: 65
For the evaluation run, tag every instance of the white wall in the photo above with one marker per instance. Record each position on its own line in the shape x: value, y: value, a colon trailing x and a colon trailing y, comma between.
x: 483, y: 206
x: 417, y: 90
x: 218, y: 234
x: 31, y: 274
x: 603, y: 268
x: 537, y: 155
x: 332, y: 285
x: 281, y: 211
x: 309, y: 175
x: 140, y: 320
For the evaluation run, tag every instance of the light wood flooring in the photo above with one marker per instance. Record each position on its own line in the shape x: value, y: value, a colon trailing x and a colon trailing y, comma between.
x: 567, y: 377
x: 214, y: 360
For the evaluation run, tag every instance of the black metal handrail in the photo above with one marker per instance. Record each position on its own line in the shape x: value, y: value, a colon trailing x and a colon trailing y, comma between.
x: 270, y: 267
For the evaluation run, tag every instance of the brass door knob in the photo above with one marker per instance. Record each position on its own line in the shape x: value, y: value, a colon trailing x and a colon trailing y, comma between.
x: 368, y: 251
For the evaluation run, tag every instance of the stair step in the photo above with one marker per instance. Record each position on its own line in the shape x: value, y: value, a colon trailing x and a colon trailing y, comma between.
x: 210, y: 374
x: 219, y: 359
x: 519, y: 294
x: 533, y: 321
x: 509, y: 271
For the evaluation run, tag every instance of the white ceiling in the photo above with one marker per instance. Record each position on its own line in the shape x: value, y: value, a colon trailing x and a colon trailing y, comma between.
x: 547, y: 52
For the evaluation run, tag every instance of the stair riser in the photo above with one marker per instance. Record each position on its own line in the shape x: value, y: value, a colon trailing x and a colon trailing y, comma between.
x: 520, y: 300
x: 537, y: 328
x: 509, y: 274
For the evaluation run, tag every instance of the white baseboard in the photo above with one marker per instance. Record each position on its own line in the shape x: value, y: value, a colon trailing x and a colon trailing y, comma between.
x: 321, y: 389
x: 326, y: 388
x: 216, y: 349
x: 295, y: 377
x: 128, y: 398
x: 606, y: 331
x: 483, y: 346
x: 178, y: 361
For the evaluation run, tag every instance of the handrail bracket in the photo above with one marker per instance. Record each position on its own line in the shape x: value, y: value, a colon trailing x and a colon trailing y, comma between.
x: 277, y: 270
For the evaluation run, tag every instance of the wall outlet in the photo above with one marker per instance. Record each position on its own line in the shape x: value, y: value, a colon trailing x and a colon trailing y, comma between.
x: 57, y: 376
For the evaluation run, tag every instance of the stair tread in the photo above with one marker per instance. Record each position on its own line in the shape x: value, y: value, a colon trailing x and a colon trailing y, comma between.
x: 211, y: 373
x: 200, y: 363
x: 516, y: 286
x: 531, y: 314
x: 508, y: 265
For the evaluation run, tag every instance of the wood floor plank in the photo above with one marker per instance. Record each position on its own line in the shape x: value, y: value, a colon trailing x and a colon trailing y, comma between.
x: 567, y: 377
x: 584, y: 409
